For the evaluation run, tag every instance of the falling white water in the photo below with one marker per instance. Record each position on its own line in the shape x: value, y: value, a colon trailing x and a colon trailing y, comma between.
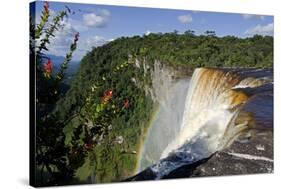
x: 207, y: 108
x: 211, y: 114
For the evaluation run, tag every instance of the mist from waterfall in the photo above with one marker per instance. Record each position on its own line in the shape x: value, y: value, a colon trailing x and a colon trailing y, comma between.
x: 165, y: 125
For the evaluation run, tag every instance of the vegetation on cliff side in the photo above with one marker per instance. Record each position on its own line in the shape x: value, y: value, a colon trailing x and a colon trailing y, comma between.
x: 105, y: 102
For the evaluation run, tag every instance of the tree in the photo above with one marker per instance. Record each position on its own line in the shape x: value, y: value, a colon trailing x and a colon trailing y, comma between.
x: 189, y: 33
x: 210, y: 33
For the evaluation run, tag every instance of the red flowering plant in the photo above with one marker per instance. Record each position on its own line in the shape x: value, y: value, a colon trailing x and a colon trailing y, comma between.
x: 44, y: 19
x: 52, y: 156
x: 107, y: 95
x: 126, y: 103
x: 48, y: 90
x: 60, y: 150
x: 46, y: 7
x: 109, y: 106
x: 48, y: 68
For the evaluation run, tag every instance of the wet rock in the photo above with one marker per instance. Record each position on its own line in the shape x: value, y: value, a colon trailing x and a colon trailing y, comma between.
x: 181, y: 172
x: 255, y: 156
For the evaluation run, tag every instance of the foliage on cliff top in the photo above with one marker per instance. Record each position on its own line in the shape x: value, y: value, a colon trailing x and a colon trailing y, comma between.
x: 202, y: 50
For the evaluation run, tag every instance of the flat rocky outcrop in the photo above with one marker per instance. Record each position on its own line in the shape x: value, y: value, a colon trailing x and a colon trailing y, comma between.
x: 251, y: 157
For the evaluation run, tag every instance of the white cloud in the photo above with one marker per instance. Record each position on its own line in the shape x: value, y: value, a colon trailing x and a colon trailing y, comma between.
x: 253, y: 16
x: 185, y: 18
x: 261, y: 30
x: 147, y: 32
x: 63, y: 34
x: 60, y: 44
x: 86, y: 44
x: 98, y: 19
x: 77, y: 25
x: 93, y: 41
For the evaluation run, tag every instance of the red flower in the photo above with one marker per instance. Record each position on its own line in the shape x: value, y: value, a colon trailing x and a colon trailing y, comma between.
x: 48, y: 67
x: 126, y: 103
x: 46, y: 7
x: 107, y: 95
x: 88, y: 146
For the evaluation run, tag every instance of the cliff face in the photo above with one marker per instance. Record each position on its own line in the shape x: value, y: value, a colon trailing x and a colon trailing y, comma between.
x: 167, y: 86
x: 161, y: 78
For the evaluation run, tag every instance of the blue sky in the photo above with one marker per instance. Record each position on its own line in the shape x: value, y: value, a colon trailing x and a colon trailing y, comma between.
x: 99, y: 24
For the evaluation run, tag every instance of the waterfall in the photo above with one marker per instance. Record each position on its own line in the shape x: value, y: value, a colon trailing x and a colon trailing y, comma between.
x: 209, y: 104
x: 165, y: 124
x: 219, y: 105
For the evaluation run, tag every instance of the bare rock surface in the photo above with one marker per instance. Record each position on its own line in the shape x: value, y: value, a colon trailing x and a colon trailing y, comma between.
x: 251, y: 157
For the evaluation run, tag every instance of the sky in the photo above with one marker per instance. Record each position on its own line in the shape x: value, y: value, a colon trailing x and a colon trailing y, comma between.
x: 98, y: 24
